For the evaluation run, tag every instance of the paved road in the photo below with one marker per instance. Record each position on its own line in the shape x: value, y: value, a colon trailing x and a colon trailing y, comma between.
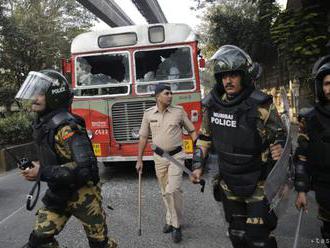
x: 204, y: 225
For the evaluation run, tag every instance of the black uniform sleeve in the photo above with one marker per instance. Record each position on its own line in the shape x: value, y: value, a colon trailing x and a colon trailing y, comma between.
x: 83, y: 155
x: 57, y: 175
x: 302, y: 177
x: 79, y: 162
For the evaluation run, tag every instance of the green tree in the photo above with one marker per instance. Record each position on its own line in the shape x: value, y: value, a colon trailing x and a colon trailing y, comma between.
x: 302, y: 36
x: 242, y: 23
x: 36, y: 35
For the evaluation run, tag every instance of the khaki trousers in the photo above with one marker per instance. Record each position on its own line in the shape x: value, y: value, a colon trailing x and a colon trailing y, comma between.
x: 169, y: 178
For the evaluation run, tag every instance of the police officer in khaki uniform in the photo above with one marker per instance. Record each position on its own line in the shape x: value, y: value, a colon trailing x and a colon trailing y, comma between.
x: 165, y: 123
x: 66, y: 163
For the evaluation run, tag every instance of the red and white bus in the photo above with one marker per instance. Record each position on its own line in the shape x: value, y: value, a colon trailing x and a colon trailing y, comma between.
x: 114, y: 73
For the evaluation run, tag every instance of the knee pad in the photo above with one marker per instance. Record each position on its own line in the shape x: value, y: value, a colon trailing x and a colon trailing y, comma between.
x: 261, y: 242
x: 258, y: 235
x: 237, y: 232
x: 35, y: 240
x: 98, y: 244
x: 237, y: 238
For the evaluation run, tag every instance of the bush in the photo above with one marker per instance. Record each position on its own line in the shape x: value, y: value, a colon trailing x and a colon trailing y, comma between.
x: 16, y: 129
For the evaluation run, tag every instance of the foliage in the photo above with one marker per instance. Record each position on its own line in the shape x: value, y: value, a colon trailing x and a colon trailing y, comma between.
x: 290, y: 41
x: 16, y: 129
x: 240, y: 23
x: 35, y: 35
x: 301, y: 37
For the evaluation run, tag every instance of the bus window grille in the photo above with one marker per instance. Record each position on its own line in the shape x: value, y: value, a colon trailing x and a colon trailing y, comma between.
x: 127, y: 118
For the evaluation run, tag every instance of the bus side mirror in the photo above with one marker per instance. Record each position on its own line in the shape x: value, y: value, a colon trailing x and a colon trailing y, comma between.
x: 201, y: 62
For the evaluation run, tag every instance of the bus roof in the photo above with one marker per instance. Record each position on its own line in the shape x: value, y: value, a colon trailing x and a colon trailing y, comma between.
x: 174, y: 33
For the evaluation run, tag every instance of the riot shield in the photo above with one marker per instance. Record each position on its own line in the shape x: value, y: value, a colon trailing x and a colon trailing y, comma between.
x: 279, y: 182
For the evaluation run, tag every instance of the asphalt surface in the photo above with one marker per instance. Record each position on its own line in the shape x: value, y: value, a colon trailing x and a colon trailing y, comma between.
x: 204, y: 224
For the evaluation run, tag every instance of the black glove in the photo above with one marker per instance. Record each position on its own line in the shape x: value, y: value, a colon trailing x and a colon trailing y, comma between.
x: 302, y: 179
x: 197, y: 159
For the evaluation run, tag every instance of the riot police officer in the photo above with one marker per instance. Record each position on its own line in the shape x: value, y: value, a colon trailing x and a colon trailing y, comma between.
x: 312, y: 156
x: 66, y: 162
x: 242, y: 125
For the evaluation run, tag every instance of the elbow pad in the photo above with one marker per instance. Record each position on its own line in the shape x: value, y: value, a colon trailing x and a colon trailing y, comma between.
x: 197, y: 159
x: 83, y: 154
x: 302, y: 180
x: 57, y: 175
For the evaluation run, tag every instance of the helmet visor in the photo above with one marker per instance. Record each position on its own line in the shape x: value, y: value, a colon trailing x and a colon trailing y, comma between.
x: 35, y: 84
x: 230, y: 58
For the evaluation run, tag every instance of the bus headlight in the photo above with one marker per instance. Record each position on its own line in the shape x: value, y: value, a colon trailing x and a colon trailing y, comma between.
x: 135, y: 133
x: 194, y: 115
x: 90, y: 134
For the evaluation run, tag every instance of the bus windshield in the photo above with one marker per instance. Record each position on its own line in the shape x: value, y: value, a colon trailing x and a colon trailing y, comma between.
x: 172, y: 65
x: 98, y: 74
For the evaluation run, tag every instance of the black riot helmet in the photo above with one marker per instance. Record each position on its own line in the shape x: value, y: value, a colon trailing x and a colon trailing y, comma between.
x: 321, y: 69
x: 256, y: 71
x: 46, y: 82
x: 230, y: 58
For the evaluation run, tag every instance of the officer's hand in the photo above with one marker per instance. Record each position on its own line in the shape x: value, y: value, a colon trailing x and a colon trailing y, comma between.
x: 196, y: 175
x: 31, y: 174
x: 276, y: 151
x: 301, y: 201
x: 139, y: 166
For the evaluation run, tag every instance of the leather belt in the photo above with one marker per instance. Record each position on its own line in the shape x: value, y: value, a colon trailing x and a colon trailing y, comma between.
x: 175, y: 151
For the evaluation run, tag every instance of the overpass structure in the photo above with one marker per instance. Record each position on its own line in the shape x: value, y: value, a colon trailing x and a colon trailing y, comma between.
x: 110, y: 12
x: 151, y: 10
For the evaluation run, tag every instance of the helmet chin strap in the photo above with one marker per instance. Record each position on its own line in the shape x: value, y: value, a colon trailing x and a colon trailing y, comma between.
x: 233, y: 96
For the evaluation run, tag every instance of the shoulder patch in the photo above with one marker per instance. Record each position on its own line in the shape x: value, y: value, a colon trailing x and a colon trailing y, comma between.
x: 65, y: 133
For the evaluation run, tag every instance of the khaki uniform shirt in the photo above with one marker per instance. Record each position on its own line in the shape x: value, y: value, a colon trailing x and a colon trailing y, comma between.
x: 166, y: 127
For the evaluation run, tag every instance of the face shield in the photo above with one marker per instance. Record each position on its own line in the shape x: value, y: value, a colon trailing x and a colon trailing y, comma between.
x: 35, y: 84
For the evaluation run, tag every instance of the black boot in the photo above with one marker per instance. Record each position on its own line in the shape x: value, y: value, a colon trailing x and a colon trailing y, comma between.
x: 325, y: 231
x: 176, y: 235
x: 167, y: 228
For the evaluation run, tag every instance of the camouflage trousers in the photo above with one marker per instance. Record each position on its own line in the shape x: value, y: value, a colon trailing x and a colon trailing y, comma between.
x: 86, y: 206
x: 250, y: 220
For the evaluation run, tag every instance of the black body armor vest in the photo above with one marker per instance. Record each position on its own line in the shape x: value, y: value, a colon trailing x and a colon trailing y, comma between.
x: 237, y: 141
x: 44, y: 137
x: 318, y: 130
